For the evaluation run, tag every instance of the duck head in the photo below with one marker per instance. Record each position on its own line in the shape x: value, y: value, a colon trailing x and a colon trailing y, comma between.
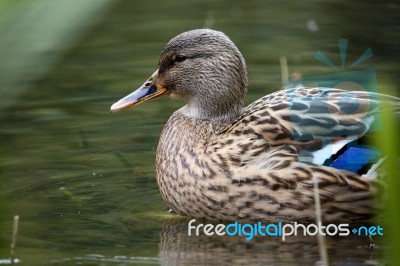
x: 202, y: 67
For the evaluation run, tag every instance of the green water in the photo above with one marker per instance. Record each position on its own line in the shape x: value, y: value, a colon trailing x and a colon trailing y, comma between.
x: 82, y: 180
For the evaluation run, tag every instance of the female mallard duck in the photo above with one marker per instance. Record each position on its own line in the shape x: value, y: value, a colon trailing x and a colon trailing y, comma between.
x: 219, y: 161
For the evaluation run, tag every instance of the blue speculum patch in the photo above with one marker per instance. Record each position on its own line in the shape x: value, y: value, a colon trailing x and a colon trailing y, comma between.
x: 354, y: 158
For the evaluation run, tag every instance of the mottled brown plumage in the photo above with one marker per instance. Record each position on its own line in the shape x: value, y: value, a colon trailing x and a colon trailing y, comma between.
x: 218, y: 161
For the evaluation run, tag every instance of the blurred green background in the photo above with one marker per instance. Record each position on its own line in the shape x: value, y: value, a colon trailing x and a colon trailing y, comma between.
x: 82, y: 180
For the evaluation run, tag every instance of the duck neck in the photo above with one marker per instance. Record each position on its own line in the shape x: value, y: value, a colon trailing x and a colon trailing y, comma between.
x: 213, y: 109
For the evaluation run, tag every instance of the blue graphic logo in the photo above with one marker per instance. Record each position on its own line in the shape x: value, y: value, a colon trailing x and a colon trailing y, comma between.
x: 349, y: 154
x: 349, y: 80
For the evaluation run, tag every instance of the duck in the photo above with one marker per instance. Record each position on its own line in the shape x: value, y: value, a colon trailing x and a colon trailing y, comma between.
x: 218, y: 160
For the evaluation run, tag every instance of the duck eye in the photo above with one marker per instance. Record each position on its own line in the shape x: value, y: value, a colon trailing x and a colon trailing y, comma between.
x: 180, y: 58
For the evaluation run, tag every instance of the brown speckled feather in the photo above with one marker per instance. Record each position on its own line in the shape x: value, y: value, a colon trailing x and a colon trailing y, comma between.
x: 250, y: 170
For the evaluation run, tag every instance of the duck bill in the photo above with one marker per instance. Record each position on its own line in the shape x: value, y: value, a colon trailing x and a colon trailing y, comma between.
x: 148, y: 91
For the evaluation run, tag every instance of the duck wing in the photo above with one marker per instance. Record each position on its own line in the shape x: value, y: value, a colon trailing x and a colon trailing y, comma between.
x: 326, y: 113
x: 269, y: 154
x: 320, y: 121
